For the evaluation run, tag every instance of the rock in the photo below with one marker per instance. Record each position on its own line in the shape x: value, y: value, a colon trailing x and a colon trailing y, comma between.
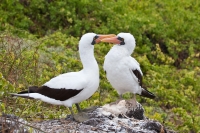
x: 12, y: 124
x: 125, y: 108
x: 118, y: 117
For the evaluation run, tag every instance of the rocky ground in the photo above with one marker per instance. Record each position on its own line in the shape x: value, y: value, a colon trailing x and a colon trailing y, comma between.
x: 119, y: 117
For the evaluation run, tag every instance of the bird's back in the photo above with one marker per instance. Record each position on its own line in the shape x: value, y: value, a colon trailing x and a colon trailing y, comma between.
x: 71, y: 80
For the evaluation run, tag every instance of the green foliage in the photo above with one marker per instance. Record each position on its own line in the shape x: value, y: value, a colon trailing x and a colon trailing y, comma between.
x: 39, y: 40
x: 5, y: 88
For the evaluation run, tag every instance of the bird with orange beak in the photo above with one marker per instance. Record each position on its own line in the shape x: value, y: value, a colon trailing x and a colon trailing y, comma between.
x: 123, y: 71
x: 73, y: 87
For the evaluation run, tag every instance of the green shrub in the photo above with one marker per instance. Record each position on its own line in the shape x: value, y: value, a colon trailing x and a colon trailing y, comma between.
x: 39, y: 40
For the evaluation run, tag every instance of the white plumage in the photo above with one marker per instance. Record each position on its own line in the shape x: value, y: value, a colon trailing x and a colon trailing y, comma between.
x: 74, y: 87
x: 123, y: 71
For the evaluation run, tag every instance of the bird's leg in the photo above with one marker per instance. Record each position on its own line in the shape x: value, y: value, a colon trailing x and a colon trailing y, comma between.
x: 120, y: 96
x: 80, y: 117
x: 70, y: 108
x: 72, y: 114
x: 78, y: 107
x: 134, y: 101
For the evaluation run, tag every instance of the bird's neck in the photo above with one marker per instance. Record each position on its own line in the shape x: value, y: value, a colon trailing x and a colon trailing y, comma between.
x: 117, y: 53
x: 88, y: 60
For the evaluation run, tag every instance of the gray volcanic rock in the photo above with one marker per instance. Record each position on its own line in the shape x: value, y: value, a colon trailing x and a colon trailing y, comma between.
x: 125, y: 108
x: 118, y: 117
x: 11, y: 123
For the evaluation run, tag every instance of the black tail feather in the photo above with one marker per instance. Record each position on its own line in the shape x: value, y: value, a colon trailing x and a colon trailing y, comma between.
x: 147, y: 93
x: 27, y: 97
x: 31, y: 89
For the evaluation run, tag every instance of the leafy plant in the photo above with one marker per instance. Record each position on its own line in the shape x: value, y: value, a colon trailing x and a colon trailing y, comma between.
x: 39, y: 41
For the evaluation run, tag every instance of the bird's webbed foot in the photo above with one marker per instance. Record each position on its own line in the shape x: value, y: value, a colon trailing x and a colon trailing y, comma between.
x: 81, y: 117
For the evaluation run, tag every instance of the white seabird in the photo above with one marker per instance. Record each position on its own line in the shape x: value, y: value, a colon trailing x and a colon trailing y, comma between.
x: 123, y: 71
x: 73, y: 87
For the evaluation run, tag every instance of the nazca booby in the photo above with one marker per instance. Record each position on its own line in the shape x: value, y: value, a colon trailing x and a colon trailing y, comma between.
x: 73, y: 87
x: 123, y: 71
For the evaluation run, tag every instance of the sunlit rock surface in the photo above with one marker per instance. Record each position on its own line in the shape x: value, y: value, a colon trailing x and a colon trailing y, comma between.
x: 13, y: 124
x: 118, y: 117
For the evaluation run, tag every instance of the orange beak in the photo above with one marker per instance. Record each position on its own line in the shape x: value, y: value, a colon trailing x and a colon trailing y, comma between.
x: 98, y: 40
x: 113, y: 40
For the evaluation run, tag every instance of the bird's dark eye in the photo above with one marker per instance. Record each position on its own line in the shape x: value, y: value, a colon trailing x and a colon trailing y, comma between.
x: 93, y: 41
x: 95, y: 37
x: 122, y: 40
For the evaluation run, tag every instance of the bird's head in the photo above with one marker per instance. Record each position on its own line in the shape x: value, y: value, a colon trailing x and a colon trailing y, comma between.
x: 123, y: 40
x: 90, y: 39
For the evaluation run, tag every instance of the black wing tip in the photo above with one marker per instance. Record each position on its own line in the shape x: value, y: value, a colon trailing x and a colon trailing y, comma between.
x: 147, y: 93
x: 31, y: 89
x: 15, y: 95
x: 12, y: 94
